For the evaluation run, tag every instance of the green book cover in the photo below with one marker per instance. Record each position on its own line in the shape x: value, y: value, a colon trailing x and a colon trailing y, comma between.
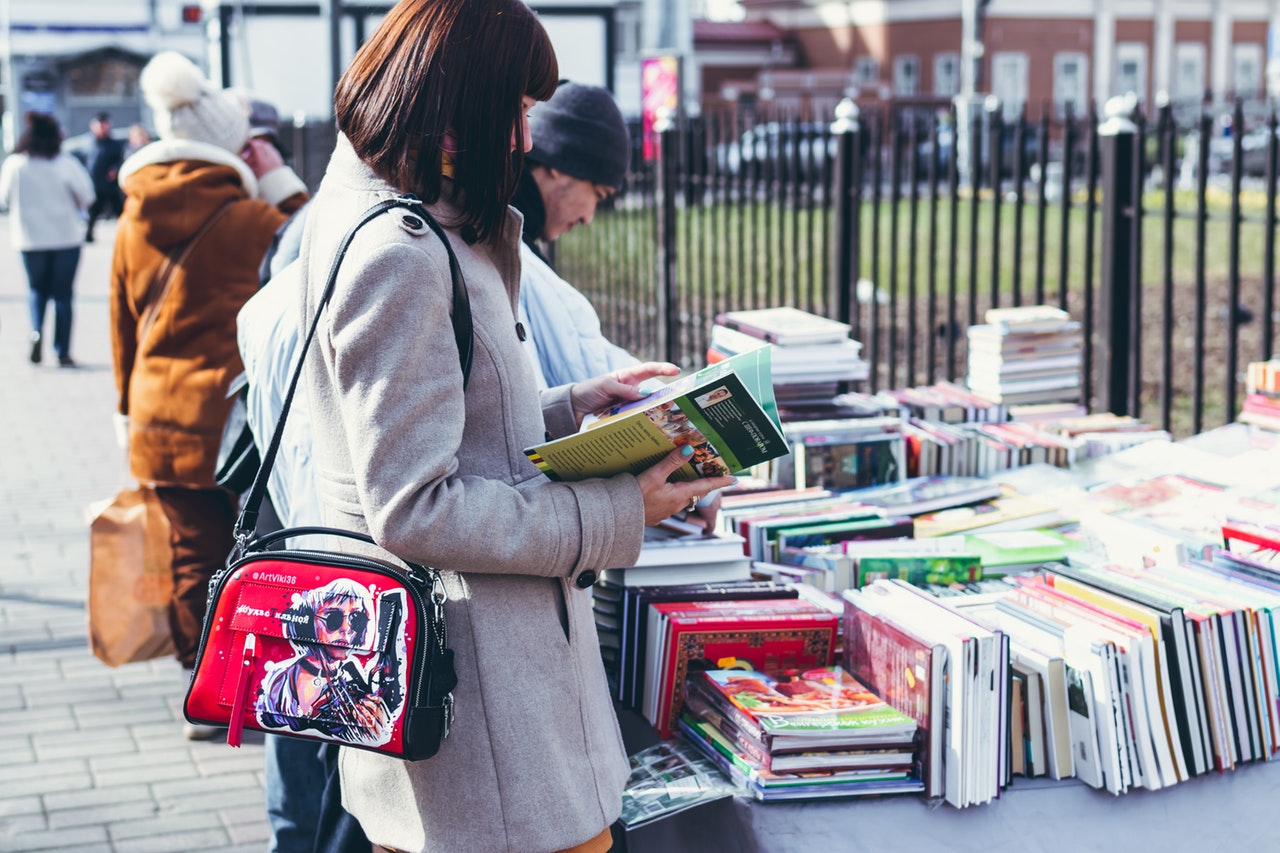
x: 1011, y: 548
x: 952, y: 568
x: 726, y: 412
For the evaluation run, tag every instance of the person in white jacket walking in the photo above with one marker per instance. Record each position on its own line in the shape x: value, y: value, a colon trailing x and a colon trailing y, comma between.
x: 46, y: 192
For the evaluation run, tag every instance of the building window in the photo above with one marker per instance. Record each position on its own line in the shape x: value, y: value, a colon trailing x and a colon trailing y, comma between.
x: 866, y: 70
x: 1009, y: 81
x: 946, y: 75
x: 1070, y: 83
x: 1246, y: 62
x: 1131, y: 70
x: 627, y: 32
x: 906, y: 76
x: 1188, y: 74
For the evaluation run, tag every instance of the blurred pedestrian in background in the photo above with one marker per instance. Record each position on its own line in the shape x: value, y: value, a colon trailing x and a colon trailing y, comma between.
x: 103, y: 160
x: 139, y: 137
x: 207, y: 189
x: 46, y: 192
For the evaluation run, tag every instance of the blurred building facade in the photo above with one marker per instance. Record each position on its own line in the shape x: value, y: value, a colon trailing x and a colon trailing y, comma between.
x: 76, y: 58
x: 1026, y: 52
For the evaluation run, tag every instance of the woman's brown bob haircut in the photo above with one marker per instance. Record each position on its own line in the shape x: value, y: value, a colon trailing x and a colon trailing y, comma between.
x: 456, y: 67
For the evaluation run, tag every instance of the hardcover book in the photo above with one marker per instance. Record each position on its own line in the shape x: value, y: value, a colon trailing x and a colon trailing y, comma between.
x: 776, y: 641
x: 635, y: 605
x: 819, y: 708
x: 908, y: 672
x: 725, y: 412
x: 784, y: 326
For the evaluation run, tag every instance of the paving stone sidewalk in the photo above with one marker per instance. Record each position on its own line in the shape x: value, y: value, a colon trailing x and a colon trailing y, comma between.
x: 92, y: 759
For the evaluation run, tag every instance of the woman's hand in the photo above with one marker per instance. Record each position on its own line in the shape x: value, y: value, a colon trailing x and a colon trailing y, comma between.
x: 261, y: 156
x: 611, y: 389
x: 663, y: 499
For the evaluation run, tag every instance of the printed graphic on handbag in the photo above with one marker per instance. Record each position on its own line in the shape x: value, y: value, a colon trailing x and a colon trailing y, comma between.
x: 329, y: 645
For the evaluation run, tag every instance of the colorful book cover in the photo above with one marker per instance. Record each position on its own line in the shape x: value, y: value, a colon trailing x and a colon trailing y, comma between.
x: 959, y: 568
x: 726, y: 412
x: 907, y: 672
x: 825, y: 704
x: 775, y: 642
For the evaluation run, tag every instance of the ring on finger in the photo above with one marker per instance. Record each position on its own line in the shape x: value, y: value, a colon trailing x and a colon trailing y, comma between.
x: 693, y: 505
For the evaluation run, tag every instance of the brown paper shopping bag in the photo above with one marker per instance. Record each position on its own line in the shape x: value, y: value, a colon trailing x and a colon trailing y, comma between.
x: 130, y: 579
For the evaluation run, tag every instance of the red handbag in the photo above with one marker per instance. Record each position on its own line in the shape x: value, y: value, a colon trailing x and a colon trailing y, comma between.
x: 327, y: 645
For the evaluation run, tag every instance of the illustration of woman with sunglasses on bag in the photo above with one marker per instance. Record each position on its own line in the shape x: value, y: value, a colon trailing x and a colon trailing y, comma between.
x: 326, y: 687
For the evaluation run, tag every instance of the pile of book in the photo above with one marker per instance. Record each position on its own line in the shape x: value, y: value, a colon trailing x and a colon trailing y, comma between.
x: 770, y: 522
x: 810, y: 734
x: 1097, y: 434
x: 1028, y: 354
x: 947, y: 672
x: 947, y: 403
x: 814, y: 359
x: 1261, y: 405
x: 840, y: 454
x: 774, y: 635
x: 1142, y: 677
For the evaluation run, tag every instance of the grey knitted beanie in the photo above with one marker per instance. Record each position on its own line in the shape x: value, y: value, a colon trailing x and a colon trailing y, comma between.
x: 580, y: 132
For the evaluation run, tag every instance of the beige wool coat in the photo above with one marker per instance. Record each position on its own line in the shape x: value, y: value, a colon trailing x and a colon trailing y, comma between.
x: 437, y: 475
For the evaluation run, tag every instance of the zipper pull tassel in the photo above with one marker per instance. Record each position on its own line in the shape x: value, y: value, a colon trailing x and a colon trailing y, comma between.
x: 240, y: 705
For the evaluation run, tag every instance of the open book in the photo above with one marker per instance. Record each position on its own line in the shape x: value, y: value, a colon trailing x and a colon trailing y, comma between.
x: 726, y: 412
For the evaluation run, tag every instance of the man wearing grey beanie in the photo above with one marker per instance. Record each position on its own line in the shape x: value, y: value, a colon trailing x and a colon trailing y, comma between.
x: 580, y: 154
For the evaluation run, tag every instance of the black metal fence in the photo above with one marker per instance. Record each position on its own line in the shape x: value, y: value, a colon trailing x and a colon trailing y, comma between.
x: 1156, y: 232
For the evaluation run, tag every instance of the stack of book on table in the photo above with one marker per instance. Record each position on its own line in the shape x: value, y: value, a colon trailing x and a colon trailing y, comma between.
x: 946, y: 671
x: 814, y: 359
x: 1170, y: 672
x: 810, y: 734
x: 840, y: 454
x: 855, y: 564
x: 947, y: 403
x: 774, y: 635
x: 1028, y: 354
x: 631, y: 606
x: 769, y: 528
x: 1098, y: 434
x: 1261, y: 405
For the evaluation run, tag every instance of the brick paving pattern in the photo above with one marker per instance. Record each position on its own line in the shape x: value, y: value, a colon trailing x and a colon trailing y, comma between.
x: 92, y: 759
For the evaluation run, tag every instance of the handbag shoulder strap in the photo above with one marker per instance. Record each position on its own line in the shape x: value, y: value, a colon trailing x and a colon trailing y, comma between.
x: 162, y: 283
x: 460, y: 317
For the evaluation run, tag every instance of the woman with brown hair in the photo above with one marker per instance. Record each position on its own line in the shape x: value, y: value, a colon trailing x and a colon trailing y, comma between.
x: 47, y: 192
x: 436, y: 104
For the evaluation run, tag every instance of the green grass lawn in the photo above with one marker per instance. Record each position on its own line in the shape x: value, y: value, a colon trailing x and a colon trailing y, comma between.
x: 752, y: 255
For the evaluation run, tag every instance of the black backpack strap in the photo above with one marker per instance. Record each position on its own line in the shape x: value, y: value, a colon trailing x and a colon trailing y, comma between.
x: 460, y: 317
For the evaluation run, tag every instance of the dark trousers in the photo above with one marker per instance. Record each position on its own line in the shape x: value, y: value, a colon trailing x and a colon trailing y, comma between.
x: 200, y: 522
x: 50, y: 276
x: 106, y: 203
x: 337, y: 831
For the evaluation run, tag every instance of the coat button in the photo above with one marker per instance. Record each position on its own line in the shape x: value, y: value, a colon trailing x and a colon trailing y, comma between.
x: 586, y: 580
x: 413, y: 224
x: 520, y: 332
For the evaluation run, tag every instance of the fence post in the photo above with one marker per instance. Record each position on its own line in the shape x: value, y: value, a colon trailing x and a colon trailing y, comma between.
x: 1116, y: 317
x: 848, y: 190
x: 668, y: 297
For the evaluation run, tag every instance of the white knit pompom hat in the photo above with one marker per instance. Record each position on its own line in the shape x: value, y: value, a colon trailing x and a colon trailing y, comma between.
x: 187, y: 106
